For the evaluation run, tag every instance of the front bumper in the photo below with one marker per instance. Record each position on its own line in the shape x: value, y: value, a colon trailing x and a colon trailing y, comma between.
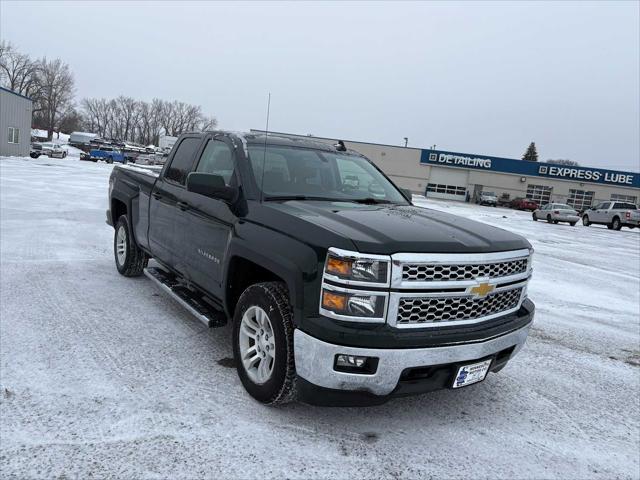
x: 315, y: 364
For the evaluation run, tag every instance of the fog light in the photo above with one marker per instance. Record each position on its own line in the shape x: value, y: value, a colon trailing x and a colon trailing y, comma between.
x: 355, y: 364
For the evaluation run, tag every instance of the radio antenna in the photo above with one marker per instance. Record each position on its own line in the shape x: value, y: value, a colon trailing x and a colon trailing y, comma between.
x: 264, y: 155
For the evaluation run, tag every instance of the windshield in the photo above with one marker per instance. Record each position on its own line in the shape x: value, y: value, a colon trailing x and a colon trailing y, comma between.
x: 488, y: 194
x: 562, y: 206
x: 302, y: 173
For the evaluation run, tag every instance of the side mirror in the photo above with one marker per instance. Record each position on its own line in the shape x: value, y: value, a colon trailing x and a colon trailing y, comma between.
x: 210, y: 185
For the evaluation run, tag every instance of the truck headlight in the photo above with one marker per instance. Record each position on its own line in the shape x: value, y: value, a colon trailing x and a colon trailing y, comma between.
x: 356, y: 305
x: 353, y: 268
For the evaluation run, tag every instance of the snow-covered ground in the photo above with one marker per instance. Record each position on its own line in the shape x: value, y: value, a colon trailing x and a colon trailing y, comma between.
x: 104, y: 376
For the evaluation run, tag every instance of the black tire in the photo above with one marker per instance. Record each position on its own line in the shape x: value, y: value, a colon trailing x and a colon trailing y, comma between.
x: 609, y: 226
x: 110, y: 160
x: 549, y: 219
x: 585, y: 221
x: 64, y: 154
x: 616, y: 224
x: 273, y: 298
x: 34, y: 155
x: 134, y: 260
x: 573, y: 224
x: 533, y: 215
x: 555, y: 222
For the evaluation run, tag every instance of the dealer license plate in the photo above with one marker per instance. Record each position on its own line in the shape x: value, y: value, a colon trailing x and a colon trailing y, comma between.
x: 470, y: 374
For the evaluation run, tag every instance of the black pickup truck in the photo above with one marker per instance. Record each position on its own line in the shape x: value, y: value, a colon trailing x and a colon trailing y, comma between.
x: 339, y: 290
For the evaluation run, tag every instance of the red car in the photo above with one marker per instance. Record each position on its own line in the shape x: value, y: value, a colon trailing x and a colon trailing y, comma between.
x: 523, y: 204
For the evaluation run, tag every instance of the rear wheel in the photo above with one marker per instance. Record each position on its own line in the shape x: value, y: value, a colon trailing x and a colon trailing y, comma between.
x: 616, y: 224
x: 263, y: 343
x: 110, y: 160
x: 585, y: 221
x: 573, y: 224
x: 130, y: 259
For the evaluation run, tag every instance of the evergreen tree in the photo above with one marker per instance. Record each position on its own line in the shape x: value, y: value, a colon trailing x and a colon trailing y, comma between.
x: 531, y: 154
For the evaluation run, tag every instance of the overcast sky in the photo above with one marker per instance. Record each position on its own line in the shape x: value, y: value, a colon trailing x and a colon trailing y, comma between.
x: 484, y: 78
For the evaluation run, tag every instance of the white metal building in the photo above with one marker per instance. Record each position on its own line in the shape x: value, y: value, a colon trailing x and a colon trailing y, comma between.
x: 462, y: 176
x: 15, y: 123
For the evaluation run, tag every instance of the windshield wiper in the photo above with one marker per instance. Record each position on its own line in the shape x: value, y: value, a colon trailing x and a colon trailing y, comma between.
x: 369, y: 200
x: 299, y: 197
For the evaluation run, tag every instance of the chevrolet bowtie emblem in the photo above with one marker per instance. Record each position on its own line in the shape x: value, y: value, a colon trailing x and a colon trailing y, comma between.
x: 482, y: 289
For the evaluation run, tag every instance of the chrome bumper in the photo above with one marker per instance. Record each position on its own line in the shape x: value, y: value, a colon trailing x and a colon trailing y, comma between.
x: 315, y: 359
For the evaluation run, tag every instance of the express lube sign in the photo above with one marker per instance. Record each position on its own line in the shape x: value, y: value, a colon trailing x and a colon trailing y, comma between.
x: 620, y: 178
x: 529, y: 169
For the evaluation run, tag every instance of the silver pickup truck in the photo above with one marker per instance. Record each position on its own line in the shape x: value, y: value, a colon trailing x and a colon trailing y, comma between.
x: 614, y: 215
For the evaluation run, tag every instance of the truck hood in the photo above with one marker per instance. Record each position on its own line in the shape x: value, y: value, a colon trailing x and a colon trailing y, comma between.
x: 387, y: 229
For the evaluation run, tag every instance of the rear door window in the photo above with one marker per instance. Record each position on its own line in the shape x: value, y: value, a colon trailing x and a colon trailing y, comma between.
x: 183, y: 160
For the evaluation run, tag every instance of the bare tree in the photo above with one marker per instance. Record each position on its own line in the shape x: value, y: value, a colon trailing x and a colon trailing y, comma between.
x: 56, y: 92
x: 125, y: 118
x: 18, y: 72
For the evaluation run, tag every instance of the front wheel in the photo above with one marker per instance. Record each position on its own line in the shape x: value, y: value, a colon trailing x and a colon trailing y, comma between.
x: 573, y: 224
x: 130, y: 259
x: 263, y: 343
x: 549, y: 220
x: 533, y: 215
x: 585, y: 221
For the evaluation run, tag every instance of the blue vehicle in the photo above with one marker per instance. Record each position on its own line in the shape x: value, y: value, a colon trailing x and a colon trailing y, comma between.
x: 108, y: 154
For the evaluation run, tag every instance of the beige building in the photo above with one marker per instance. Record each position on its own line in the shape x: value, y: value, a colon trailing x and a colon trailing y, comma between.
x: 461, y: 176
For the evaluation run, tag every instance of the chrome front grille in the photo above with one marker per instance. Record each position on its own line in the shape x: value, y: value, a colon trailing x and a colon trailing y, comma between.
x: 437, y: 289
x: 463, y: 308
x: 424, y: 272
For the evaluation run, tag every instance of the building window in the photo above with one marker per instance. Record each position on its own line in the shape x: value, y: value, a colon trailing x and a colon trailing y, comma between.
x: 580, y: 199
x: 541, y: 194
x: 448, y: 189
x: 14, y: 135
x: 623, y: 198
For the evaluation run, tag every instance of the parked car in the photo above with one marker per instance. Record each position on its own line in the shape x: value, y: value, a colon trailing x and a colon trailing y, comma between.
x: 336, y: 295
x: 488, y: 198
x: 556, y: 212
x: 504, y: 200
x: 49, y: 149
x: 523, y: 204
x: 614, y: 215
x: 108, y: 154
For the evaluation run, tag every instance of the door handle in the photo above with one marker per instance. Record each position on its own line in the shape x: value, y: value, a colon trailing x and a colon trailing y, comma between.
x: 183, y: 206
x: 157, y: 196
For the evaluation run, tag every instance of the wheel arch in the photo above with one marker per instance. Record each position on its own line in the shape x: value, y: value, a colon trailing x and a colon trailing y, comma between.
x: 287, y: 261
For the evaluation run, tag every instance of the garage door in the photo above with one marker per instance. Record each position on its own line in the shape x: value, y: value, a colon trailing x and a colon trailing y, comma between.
x: 447, y: 183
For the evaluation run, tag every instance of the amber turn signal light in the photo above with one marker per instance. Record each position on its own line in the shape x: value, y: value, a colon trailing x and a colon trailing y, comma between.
x: 336, y: 302
x: 339, y: 267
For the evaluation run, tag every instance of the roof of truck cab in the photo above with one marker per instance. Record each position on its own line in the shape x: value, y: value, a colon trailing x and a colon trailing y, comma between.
x: 252, y: 138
